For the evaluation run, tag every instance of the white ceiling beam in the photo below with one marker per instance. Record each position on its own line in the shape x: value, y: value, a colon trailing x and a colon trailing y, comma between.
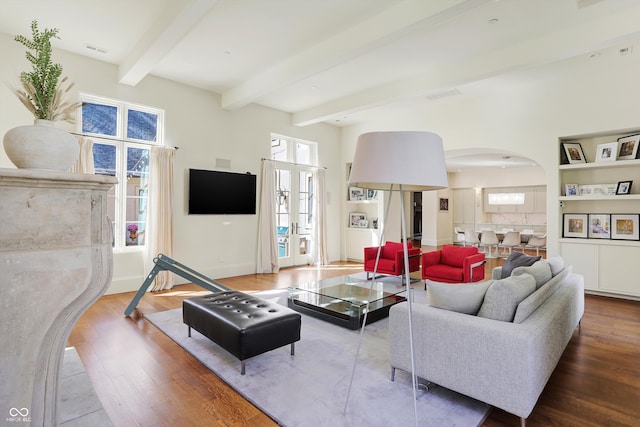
x: 383, y: 28
x: 176, y: 21
x: 580, y: 39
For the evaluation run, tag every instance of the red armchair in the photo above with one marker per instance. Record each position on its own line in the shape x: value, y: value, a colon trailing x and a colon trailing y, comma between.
x: 454, y: 264
x: 391, y: 259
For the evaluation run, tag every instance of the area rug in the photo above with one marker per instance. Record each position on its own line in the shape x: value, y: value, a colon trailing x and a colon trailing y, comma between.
x: 310, y: 388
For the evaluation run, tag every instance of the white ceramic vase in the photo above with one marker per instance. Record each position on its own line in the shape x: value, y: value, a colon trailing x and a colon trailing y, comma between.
x: 41, y: 146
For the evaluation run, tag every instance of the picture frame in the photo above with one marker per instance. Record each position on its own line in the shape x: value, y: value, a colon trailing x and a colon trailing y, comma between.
x: 571, y: 189
x: 625, y: 226
x: 356, y: 193
x: 356, y: 219
x: 624, y: 187
x: 444, y: 204
x: 599, y: 226
x: 607, y: 152
x: 575, y: 225
x: 374, y: 223
x: 372, y: 194
x: 628, y: 147
x: 574, y: 152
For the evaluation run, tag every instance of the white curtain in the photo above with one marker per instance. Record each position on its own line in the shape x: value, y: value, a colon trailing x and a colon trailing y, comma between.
x: 159, y: 233
x: 84, y: 162
x: 267, y: 240
x: 320, y: 254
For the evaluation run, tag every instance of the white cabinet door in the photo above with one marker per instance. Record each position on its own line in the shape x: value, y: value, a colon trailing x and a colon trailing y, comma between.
x: 584, y: 259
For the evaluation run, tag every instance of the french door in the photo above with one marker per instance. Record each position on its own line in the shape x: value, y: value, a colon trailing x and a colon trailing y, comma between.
x: 294, y: 213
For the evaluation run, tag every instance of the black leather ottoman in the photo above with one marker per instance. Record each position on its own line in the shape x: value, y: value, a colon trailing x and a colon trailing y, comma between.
x: 243, y: 325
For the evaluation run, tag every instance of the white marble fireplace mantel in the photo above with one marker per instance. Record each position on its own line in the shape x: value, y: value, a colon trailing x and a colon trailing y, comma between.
x: 55, y: 261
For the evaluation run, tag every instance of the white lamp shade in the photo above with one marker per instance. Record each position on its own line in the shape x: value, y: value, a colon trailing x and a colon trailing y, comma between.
x: 413, y: 159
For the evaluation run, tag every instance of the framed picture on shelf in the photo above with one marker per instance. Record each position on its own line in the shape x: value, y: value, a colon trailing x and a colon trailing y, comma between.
x: 356, y: 193
x: 599, y: 226
x: 372, y: 194
x: 571, y: 189
x: 574, y: 152
x: 358, y: 220
x: 444, y: 204
x: 374, y: 223
x: 625, y: 226
x: 575, y: 225
x: 607, y: 152
x: 624, y: 187
x: 628, y: 147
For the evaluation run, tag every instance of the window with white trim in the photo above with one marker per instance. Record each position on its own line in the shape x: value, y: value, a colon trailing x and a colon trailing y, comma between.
x: 123, y: 134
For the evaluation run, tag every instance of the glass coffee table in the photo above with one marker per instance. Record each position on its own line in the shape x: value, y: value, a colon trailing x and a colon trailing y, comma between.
x: 343, y: 300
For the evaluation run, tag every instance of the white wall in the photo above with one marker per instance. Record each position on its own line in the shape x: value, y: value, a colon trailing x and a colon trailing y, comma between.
x: 529, y: 118
x: 217, y: 246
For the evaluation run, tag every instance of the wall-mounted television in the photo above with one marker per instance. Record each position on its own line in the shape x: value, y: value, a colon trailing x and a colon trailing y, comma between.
x: 221, y: 193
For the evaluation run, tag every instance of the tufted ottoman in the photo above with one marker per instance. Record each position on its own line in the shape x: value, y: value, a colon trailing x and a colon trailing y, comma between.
x: 243, y: 325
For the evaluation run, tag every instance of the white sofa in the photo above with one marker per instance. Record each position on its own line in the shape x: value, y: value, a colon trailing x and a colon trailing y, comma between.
x: 502, y: 363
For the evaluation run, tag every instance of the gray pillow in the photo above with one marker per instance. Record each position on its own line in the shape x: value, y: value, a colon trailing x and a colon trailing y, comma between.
x: 556, y: 263
x: 535, y: 300
x: 503, y: 296
x: 465, y: 298
x: 517, y: 259
x: 540, y: 270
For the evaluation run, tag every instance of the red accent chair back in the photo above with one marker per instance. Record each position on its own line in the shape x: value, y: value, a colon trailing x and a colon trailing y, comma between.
x: 454, y: 264
x: 391, y: 259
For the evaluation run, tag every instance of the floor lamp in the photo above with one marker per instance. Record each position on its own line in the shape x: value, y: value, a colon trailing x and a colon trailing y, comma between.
x: 398, y: 161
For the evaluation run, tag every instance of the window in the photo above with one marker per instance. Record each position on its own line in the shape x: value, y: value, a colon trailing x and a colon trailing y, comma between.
x: 122, y: 135
x: 506, y: 198
x: 293, y: 150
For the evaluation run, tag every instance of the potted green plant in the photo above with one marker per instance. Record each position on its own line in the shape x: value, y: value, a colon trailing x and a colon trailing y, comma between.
x: 43, y: 146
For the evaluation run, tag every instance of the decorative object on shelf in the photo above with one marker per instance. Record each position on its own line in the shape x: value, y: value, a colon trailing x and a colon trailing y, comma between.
x: 596, y: 189
x: 374, y: 223
x: 624, y: 187
x: 575, y: 225
x: 357, y: 219
x: 571, y: 189
x: 628, y: 147
x: 625, y: 226
x: 599, y: 226
x: 356, y: 193
x: 573, y: 152
x: 444, y: 204
x: 372, y: 194
x: 398, y: 162
x: 43, y: 94
x: 607, y: 152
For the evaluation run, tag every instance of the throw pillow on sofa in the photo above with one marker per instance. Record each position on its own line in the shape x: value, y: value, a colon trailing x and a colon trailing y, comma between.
x: 465, y: 298
x: 540, y: 270
x: 504, y: 295
x: 556, y: 263
x: 517, y: 259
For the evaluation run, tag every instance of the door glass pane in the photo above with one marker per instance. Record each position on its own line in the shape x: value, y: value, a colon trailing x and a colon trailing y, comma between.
x: 283, y: 220
x: 100, y: 119
x: 137, y: 195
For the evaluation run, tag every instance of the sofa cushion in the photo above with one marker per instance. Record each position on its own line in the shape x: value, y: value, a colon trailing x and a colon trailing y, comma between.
x: 445, y: 273
x: 504, y: 295
x: 540, y: 270
x: 517, y: 259
x: 455, y: 255
x: 556, y: 263
x: 536, y: 299
x: 465, y: 298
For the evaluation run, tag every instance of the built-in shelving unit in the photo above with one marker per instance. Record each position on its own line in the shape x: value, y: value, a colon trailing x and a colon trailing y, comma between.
x: 609, y: 266
x: 357, y: 238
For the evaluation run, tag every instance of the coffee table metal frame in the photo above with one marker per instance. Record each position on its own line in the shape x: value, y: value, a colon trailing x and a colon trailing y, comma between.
x: 343, y: 300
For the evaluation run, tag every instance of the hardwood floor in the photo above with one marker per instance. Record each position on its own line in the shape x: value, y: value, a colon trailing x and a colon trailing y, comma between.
x: 144, y: 379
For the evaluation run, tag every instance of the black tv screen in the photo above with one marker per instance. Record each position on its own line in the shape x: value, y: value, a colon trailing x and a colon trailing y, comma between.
x: 221, y: 193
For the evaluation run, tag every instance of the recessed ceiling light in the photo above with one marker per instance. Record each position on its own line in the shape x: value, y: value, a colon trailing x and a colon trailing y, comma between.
x: 227, y: 52
x: 493, y: 21
x: 314, y: 87
x: 595, y: 55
